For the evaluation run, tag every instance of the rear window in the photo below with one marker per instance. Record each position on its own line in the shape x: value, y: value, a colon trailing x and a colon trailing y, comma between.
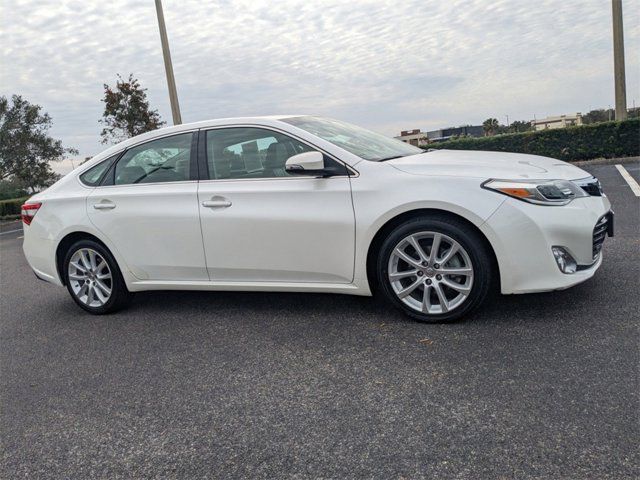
x: 93, y: 176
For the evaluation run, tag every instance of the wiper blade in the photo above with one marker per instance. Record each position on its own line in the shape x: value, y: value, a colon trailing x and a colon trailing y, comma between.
x: 390, y: 158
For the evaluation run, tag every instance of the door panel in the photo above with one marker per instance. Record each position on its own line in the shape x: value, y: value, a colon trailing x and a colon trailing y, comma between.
x: 155, y: 228
x: 279, y: 229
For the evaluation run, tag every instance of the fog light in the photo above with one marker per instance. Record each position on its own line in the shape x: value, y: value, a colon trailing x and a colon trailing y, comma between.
x: 566, y: 263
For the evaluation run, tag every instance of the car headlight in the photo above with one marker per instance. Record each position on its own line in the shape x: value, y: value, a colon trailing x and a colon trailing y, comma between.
x: 540, y: 192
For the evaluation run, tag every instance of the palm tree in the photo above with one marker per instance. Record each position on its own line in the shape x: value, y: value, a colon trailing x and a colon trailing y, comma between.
x: 490, y: 126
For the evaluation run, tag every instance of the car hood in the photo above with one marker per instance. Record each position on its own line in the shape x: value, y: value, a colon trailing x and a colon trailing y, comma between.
x: 485, y: 165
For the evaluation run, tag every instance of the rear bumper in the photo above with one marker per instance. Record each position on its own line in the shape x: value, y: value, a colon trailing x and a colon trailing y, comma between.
x: 40, y: 253
x: 522, y: 235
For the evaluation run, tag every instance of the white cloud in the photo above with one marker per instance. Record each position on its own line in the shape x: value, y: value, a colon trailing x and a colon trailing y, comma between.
x: 387, y: 65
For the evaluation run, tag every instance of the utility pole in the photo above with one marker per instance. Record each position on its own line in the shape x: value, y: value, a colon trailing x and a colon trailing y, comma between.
x: 618, y: 61
x: 171, y: 81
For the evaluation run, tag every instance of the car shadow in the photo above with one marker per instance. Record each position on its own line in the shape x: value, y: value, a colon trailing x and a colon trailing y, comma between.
x: 309, y: 307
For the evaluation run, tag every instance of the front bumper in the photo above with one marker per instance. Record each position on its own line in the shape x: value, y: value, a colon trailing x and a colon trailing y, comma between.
x: 522, y: 235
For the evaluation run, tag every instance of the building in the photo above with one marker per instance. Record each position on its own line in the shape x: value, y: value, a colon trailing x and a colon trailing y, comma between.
x: 420, y: 138
x: 414, y: 137
x: 561, y: 121
x: 447, y: 133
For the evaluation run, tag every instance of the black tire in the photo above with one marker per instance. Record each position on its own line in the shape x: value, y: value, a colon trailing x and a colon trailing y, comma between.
x: 120, y: 295
x: 476, y: 246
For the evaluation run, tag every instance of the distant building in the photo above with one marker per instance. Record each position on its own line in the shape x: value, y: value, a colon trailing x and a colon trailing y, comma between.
x: 561, y: 121
x: 420, y: 138
x: 447, y: 133
x: 414, y: 137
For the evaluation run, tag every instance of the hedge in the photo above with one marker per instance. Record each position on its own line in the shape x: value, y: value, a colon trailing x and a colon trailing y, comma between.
x: 11, y: 207
x: 599, y: 140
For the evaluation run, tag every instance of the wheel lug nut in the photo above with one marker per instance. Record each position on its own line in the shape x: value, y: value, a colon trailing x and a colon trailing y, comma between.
x: 428, y: 281
x: 439, y: 277
x: 437, y: 265
x: 424, y: 264
x: 420, y: 273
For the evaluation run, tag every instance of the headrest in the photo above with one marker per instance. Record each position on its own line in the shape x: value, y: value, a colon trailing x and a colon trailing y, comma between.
x: 277, y: 155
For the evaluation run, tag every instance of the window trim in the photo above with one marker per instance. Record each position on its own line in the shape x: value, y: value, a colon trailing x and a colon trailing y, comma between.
x: 204, y: 165
x: 193, y: 173
x: 111, y: 159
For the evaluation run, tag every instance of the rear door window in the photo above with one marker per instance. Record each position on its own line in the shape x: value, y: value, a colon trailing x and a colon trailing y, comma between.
x: 163, y: 160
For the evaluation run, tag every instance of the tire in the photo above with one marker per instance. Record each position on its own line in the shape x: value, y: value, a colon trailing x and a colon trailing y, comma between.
x: 418, y: 282
x: 93, y: 278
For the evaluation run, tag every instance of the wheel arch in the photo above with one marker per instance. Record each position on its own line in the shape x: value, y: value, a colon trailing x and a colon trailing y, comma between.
x: 392, y: 223
x: 66, y: 242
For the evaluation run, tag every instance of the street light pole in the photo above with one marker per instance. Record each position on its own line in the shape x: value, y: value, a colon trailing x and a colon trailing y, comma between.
x: 618, y: 61
x: 171, y: 81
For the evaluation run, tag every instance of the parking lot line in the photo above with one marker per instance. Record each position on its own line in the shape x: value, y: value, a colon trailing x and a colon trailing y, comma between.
x: 629, y: 179
x: 11, y: 231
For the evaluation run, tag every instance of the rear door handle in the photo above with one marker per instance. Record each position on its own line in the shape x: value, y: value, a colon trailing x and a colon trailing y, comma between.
x: 217, y: 203
x: 104, y: 206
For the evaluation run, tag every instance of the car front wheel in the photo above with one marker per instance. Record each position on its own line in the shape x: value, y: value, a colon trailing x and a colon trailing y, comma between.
x: 435, y: 269
x: 93, y: 278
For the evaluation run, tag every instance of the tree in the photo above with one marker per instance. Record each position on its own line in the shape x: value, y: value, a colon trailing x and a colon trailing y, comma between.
x: 26, y: 149
x: 12, y: 188
x: 490, y: 126
x: 599, y: 115
x: 126, y: 111
x: 520, y: 126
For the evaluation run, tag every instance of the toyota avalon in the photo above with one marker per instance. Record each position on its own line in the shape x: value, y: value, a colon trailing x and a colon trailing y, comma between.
x: 311, y: 204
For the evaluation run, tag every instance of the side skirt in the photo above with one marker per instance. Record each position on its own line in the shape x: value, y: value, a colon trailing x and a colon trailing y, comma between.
x: 349, y: 289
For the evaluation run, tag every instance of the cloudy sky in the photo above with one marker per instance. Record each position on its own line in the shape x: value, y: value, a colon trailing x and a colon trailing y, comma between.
x: 387, y: 65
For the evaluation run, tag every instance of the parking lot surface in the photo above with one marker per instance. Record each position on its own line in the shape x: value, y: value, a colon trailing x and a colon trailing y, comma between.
x: 253, y: 385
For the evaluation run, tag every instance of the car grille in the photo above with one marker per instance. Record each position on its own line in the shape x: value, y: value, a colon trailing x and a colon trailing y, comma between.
x: 599, y: 234
x: 590, y: 185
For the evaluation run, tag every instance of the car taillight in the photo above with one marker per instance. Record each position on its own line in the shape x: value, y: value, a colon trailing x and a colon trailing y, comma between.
x: 28, y: 211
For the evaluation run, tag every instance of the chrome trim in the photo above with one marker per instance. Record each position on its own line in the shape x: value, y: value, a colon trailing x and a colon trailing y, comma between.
x: 124, y: 185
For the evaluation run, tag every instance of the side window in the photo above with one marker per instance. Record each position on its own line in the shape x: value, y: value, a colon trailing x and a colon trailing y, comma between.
x: 246, y: 152
x: 164, y: 160
x: 93, y: 176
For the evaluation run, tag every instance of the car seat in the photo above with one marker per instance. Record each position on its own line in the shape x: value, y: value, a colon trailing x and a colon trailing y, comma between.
x: 277, y: 155
x: 129, y: 175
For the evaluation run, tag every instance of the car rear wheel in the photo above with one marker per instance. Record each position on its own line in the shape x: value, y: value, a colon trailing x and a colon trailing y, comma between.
x: 435, y: 269
x: 93, y: 278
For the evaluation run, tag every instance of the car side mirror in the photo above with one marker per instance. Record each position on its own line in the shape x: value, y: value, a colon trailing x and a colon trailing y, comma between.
x: 307, y: 163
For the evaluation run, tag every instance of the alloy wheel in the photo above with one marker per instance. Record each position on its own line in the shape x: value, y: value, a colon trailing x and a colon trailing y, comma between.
x: 430, y: 272
x: 90, y: 277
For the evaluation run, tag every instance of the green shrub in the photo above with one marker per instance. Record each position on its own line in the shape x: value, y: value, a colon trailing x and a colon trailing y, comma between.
x: 10, y: 189
x: 11, y: 207
x: 600, y: 140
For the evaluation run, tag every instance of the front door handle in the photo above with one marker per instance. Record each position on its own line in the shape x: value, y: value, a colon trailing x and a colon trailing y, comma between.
x: 217, y: 202
x: 104, y: 206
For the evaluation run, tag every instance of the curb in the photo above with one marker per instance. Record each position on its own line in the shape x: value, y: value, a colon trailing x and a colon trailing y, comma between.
x: 607, y: 161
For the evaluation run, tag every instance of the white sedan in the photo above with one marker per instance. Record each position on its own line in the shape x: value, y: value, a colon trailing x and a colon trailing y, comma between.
x: 311, y: 204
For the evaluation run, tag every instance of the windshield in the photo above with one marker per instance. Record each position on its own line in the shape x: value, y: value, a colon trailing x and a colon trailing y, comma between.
x: 359, y: 141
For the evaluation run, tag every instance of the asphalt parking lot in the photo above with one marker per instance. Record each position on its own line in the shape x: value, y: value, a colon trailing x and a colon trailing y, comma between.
x: 252, y: 385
